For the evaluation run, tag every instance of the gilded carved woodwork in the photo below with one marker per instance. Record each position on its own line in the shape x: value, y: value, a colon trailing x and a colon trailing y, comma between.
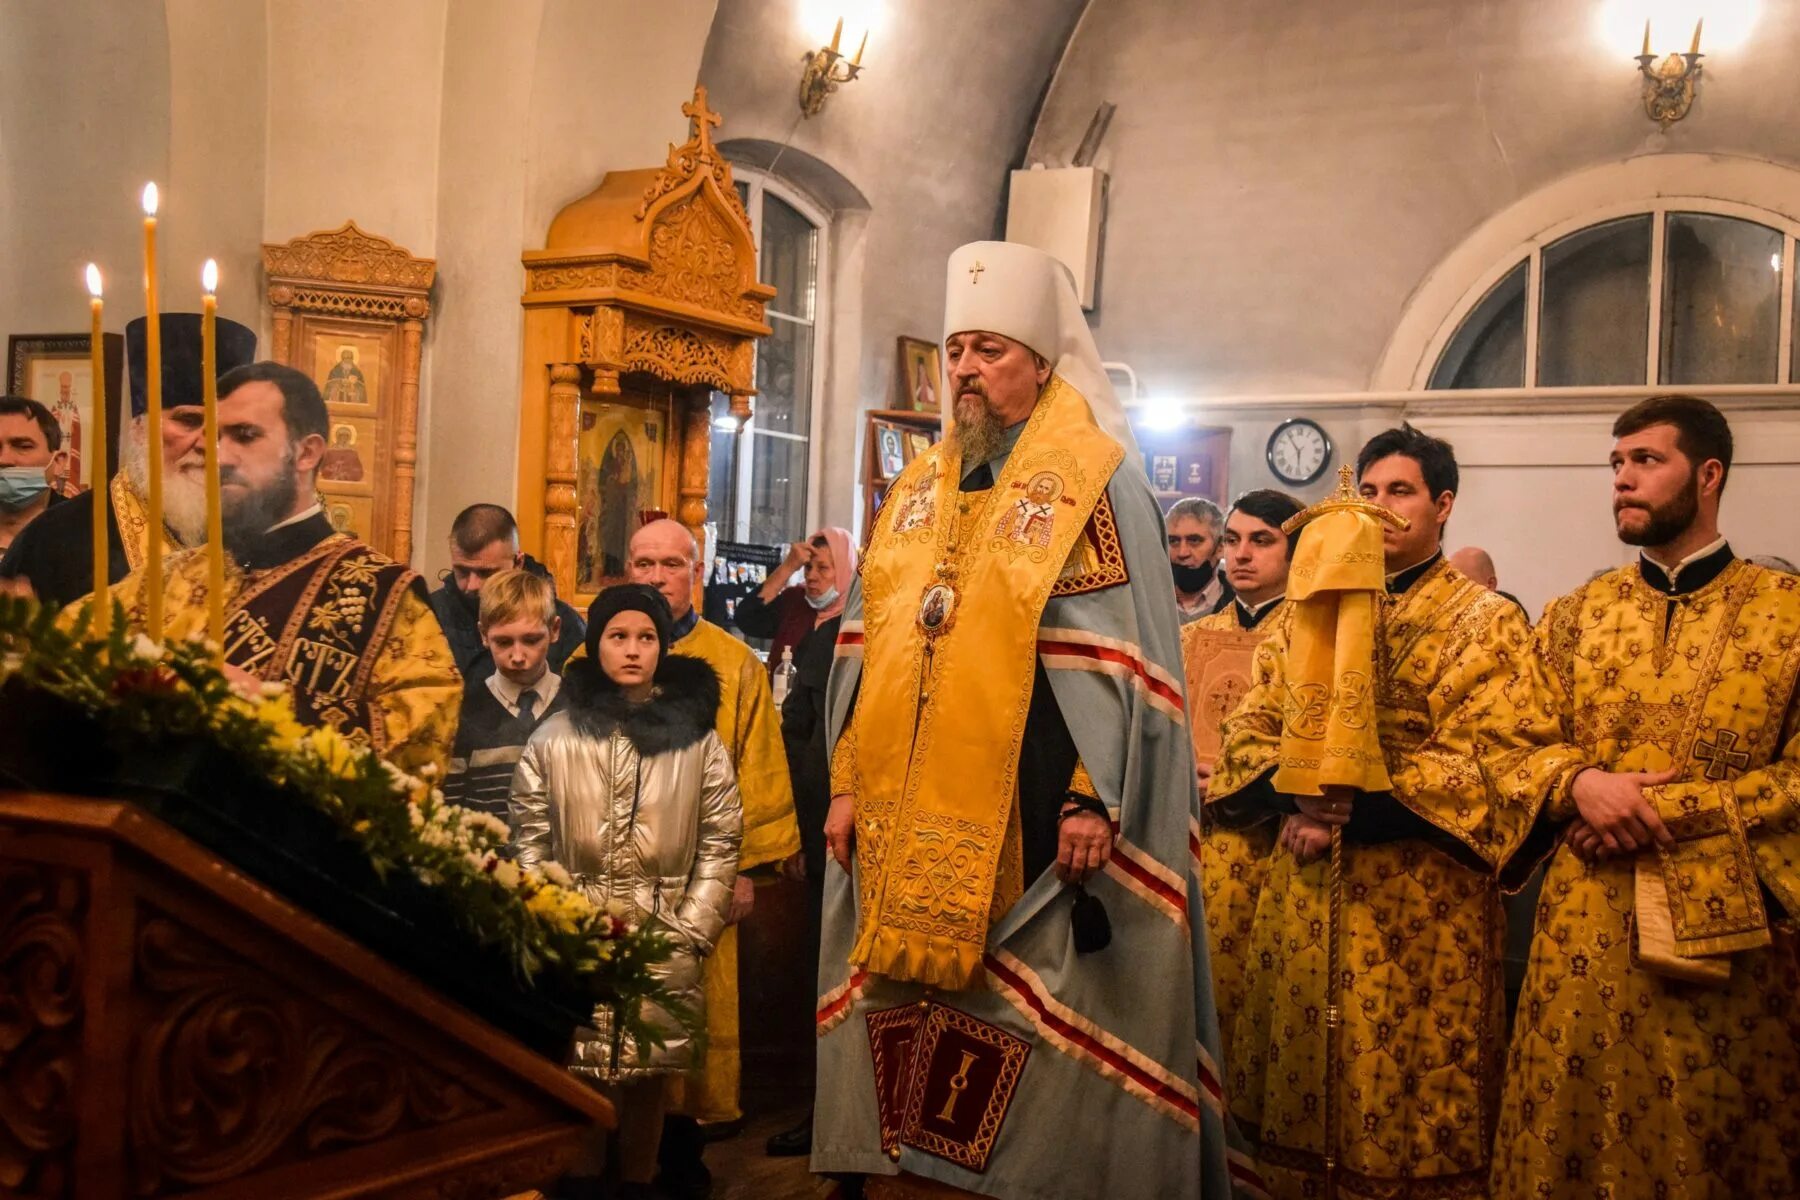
x: 652, y: 274
x: 347, y: 290
x: 167, y: 1024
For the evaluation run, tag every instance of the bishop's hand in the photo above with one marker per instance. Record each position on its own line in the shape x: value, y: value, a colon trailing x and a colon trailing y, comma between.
x: 1306, y: 839
x: 1084, y: 843
x: 840, y: 828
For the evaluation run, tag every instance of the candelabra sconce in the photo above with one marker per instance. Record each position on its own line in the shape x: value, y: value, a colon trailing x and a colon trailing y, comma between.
x: 1670, y: 84
x: 825, y: 69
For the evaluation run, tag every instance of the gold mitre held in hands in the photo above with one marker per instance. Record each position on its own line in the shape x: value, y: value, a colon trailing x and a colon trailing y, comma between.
x: 1025, y: 294
x: 1328, y: 729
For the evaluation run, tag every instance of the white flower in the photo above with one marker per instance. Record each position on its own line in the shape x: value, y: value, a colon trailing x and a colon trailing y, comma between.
x: 554, y: 872
x: 486, y: 823
x: 270, y: 689
x: 506, y: 874
x: 144, y: 649
x: 415, y: 816
x: 618, y: 909
x: 428, y: 771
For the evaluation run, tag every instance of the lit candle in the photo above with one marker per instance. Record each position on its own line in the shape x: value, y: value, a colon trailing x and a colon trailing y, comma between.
x: 101, y: 611
x: 153, y: 421
x: 209, y: 384
x: 1695, y: 48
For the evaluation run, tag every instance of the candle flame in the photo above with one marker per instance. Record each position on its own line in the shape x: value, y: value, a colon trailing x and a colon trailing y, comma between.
x: 209, y: 277
x: 93, y: 281
x: 149, y: 199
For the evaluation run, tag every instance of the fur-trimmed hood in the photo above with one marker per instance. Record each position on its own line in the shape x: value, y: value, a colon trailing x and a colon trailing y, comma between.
x: 681, y: 712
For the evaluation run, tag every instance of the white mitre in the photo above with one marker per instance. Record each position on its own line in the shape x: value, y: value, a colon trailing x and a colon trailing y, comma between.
x: 1027, y: 295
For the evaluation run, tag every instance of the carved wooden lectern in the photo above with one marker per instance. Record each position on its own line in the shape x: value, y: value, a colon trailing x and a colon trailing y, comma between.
x: 170, y: 1026
x: 643, y: 303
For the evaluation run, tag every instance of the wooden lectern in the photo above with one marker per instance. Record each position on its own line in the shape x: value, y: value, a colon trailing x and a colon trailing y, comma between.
x: 170, y: 1026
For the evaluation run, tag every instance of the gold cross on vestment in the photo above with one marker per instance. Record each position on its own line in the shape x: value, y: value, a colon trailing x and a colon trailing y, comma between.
x: 1719, y: 755
x: 975, y: 272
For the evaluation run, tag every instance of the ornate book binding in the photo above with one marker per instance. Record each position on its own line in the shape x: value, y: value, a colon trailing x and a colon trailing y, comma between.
x: 1219, y: 665
x: 943, y: 1081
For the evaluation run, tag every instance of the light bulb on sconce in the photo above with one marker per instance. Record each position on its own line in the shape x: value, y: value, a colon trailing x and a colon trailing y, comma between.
x: 827, y: 67
x: 1669, y: 35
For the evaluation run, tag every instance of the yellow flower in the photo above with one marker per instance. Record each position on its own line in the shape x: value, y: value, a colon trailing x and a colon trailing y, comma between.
x: 333, y: 750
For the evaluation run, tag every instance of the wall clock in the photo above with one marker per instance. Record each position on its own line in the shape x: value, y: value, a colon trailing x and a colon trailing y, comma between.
x: 1299, y: 451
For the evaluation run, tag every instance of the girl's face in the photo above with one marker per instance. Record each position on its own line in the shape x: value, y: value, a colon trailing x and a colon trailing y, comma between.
x: 629, y: 651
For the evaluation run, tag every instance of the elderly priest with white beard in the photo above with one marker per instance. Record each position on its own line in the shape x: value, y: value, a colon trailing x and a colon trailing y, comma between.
x: 1015, y: 996
x: 54, y: 554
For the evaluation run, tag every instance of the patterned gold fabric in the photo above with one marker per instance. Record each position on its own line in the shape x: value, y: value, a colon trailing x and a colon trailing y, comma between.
x: 1233, y: 865
x: 1461, y: 708
x: 355, y: 640
x: 750, y: 727
x: 1622, y: 1082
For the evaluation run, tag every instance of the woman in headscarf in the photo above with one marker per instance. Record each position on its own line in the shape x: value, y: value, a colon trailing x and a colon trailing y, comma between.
x: 630, y: 790
x: 787, y: 614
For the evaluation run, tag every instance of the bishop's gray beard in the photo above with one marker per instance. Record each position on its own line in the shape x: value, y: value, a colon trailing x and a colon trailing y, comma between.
x: 184, y: 497
x: 976, y: 436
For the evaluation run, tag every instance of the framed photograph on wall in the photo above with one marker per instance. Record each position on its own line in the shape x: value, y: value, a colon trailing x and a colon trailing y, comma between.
x: 921, y: 375
x: 890, y: 449
x: 56, y: 370
x: 917, y: 443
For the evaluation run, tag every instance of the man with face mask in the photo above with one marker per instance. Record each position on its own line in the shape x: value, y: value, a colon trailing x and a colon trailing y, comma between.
x: 1655, y: 1050
x: 30, y: 452
x: 1193, y: 527
x: 54, y: 556
x: 347, y: 629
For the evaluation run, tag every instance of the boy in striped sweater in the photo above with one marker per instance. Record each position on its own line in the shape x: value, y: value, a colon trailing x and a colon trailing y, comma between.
x: 519, y: 625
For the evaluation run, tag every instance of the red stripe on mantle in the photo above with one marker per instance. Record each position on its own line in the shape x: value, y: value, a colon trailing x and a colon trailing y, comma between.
x: 1120, y: 657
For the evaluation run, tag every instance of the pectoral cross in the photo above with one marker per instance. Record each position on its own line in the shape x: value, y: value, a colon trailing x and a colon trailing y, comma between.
x: 975, y: 272
x: 1720, y: 757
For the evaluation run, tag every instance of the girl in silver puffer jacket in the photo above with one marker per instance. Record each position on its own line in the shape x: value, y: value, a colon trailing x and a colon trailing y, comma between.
x: 631, y: 791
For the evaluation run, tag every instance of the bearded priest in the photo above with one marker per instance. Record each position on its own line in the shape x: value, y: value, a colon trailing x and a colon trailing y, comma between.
x: 349, y: 630
x: 54, y: 554
x: 1405, y: 1107
x: 1655, y: 1051
x: 1014, y: 977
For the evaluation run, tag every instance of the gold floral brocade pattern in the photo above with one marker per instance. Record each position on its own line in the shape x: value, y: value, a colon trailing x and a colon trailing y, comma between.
x: 1623, y: 1082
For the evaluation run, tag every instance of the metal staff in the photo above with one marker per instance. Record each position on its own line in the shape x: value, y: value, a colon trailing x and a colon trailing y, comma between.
x: 1344, y: 499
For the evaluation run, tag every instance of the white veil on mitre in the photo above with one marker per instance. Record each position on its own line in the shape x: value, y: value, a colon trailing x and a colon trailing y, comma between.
x: 1027, y: 295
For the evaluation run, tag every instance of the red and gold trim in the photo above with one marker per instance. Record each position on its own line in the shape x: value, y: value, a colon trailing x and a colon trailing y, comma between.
x: 1065, y: 1030
x: 835, y: 1005
x: 849, y: 640
x: 1245, y: 1178
x: 1146, y: 878
x: 1080, y: 650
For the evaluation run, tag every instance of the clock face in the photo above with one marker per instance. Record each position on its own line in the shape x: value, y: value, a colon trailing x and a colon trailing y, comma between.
x: 1298, y: 451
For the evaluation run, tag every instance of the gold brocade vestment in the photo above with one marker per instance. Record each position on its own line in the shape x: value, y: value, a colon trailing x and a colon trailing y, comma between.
x: 1233, y: 865
x: 1459, y: 709
x: 750, y: 728
x: 343, y: 626
x: 1621, y: 1081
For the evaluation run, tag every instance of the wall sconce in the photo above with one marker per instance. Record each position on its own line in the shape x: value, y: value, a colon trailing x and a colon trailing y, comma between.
x: 1669, y: 85
x: 825, y: 69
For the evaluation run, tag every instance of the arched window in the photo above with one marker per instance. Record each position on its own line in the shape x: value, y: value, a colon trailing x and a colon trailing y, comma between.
x: 1683, y: 295
x: 761, y: 488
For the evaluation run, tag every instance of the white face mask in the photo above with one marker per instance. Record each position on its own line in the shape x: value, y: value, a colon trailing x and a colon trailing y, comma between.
x: 820, y: 603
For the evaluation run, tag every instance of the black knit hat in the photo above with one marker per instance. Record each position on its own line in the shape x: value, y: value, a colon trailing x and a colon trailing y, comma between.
x: 629, y: 597
x: 181, y: 357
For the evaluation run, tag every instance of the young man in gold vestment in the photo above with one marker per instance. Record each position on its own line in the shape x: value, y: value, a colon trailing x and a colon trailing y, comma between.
x: 1460, y: 710
x: 1233, y: 861
x: 347, y: 629
x: 1655, y: 1052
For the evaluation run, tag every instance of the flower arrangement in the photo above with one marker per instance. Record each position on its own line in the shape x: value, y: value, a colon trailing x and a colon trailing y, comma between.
x: 145, y: 697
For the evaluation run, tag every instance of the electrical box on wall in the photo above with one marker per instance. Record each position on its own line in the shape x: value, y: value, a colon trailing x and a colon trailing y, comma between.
x: 1060, y: 210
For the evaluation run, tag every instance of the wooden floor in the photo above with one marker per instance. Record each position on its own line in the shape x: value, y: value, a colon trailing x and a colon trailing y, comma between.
x: 741, y: 1171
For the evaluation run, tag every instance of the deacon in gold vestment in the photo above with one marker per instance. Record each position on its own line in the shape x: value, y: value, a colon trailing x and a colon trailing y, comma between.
x: 1459, y: 711
x: 663, y: 555
x: 1233, y: 861
x: 347, y: 629
x: 1654, y: 1052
